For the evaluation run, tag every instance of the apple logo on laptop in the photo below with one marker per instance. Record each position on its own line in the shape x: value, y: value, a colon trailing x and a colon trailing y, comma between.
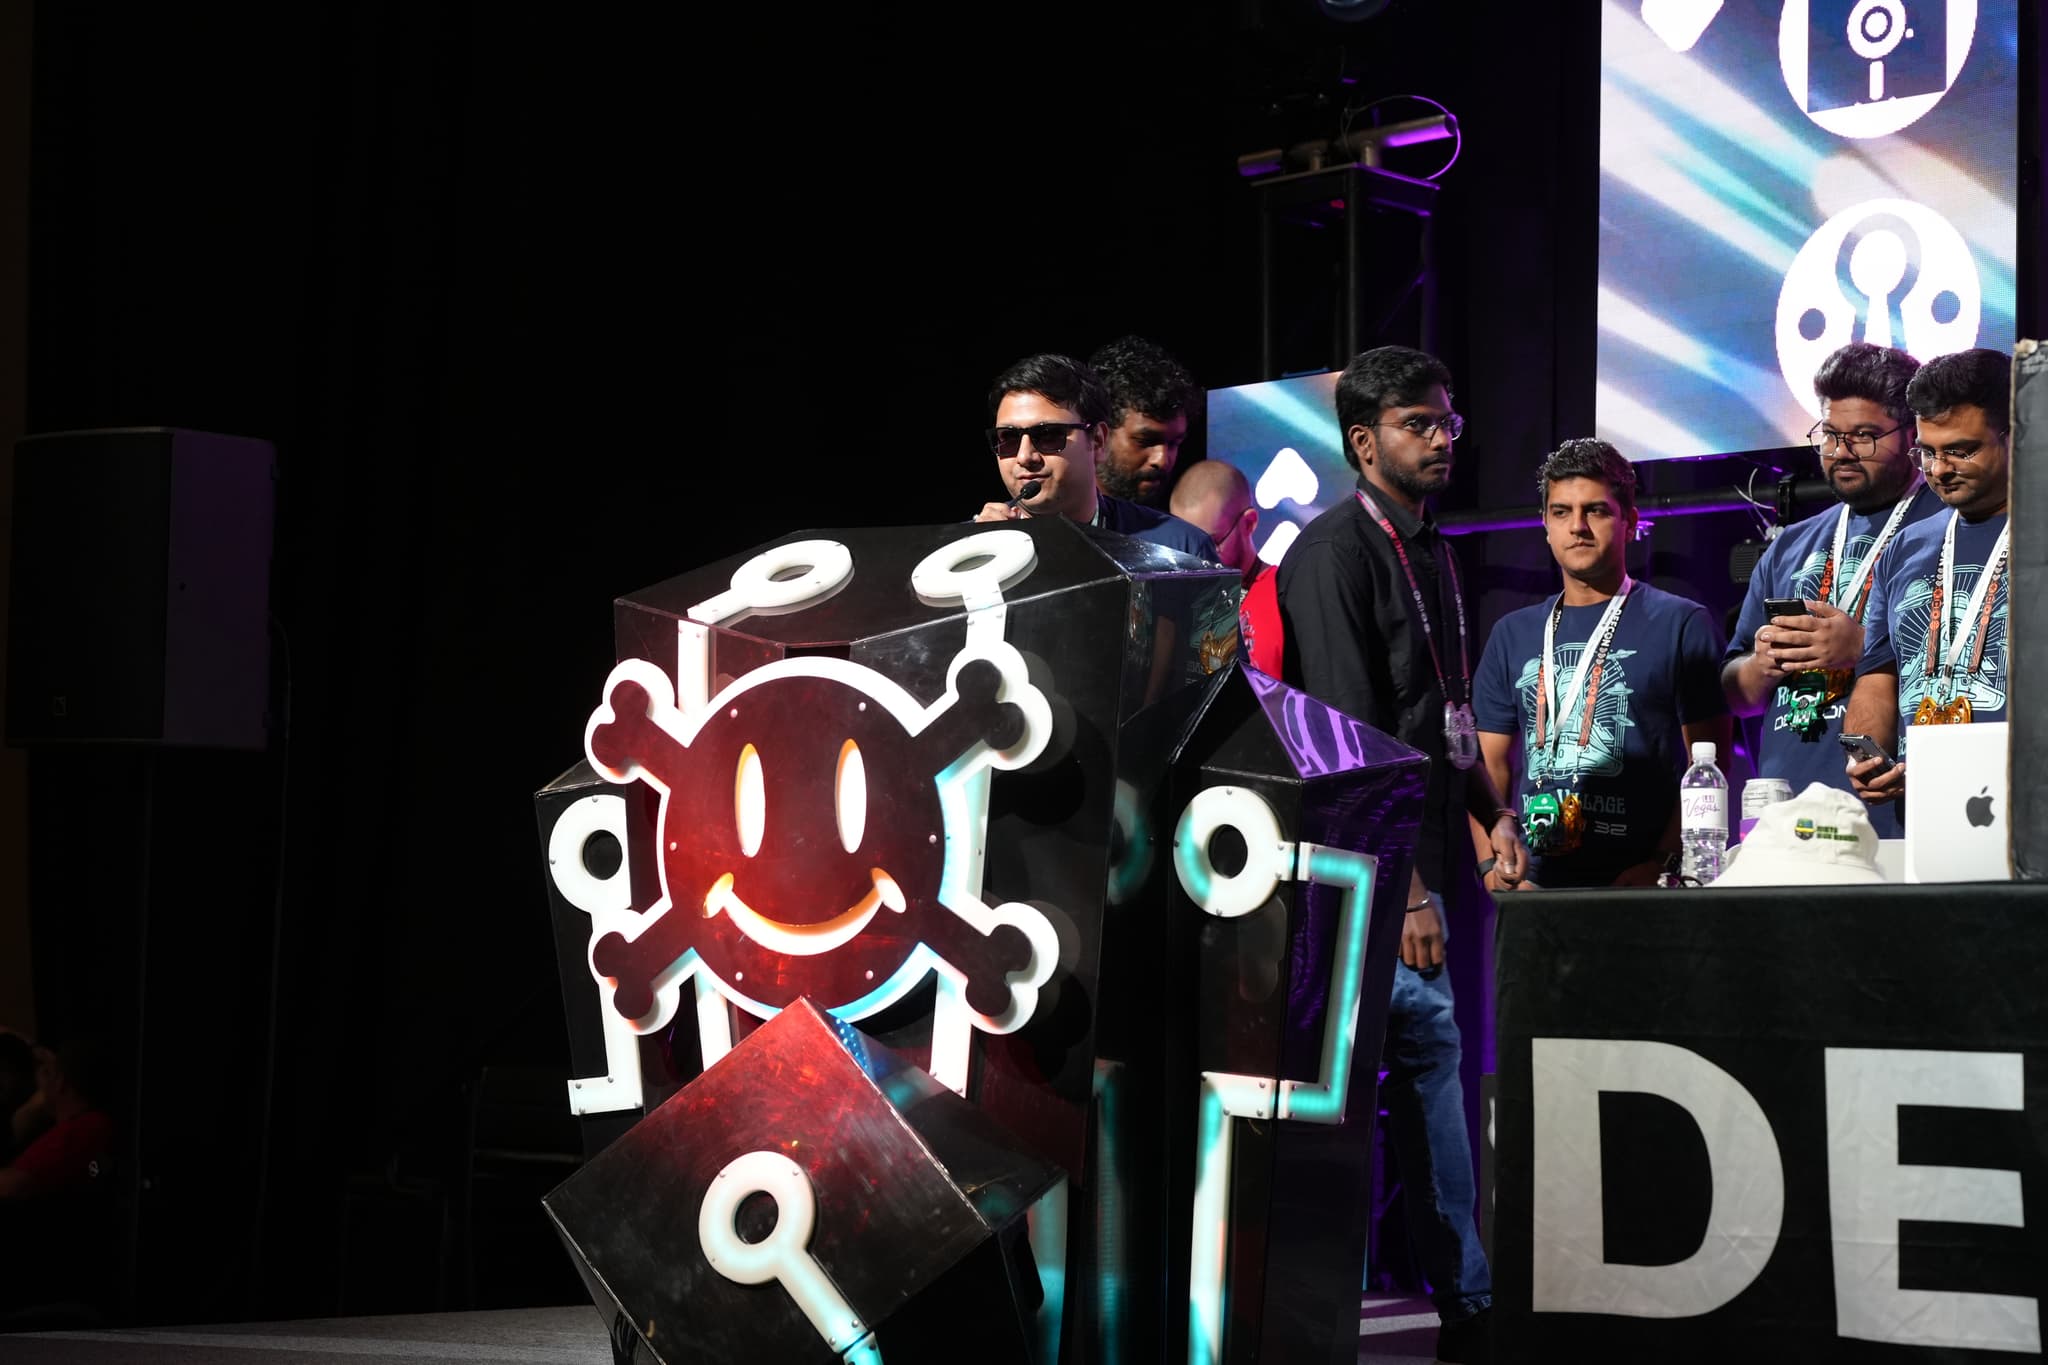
x: 1978, y: 808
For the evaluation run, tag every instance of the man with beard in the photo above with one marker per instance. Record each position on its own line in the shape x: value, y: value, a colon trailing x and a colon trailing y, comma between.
x: 1050, y: 438
x: 1935, y: 648
x: 1607, y: 688
x: 1373, y: 623
x: 1150, y: 396
x: 1797, y: 670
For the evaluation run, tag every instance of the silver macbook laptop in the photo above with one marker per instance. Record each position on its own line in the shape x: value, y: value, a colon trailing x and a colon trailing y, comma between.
x: 1958, y: 785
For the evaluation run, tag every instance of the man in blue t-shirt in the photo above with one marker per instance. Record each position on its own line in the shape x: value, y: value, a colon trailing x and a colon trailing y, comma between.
x: 1051, y: 431
x: 1935, y: 649
x: 1604, y: 690
x: 1797, y: 670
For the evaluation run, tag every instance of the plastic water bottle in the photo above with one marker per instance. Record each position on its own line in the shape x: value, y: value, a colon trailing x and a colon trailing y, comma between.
x: 1702, y: 816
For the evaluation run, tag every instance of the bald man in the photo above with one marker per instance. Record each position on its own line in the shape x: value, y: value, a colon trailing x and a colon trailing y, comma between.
x: 1214, y: 496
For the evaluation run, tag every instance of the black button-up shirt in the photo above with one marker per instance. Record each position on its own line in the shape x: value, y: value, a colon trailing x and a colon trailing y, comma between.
x: 1351, y: 641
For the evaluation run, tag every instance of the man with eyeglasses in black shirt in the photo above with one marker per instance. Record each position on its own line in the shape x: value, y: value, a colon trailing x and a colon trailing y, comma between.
x: 1373, y: 623
x: 1051, y: 430
x: 1797, y: 671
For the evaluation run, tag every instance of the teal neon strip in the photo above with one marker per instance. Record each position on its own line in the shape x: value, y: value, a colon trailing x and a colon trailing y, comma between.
x: 1211, y: 1232
x: 1128, y: 874
x: 1324, y: 1102
x: 1191, y: 862
x: 1110, y: 1250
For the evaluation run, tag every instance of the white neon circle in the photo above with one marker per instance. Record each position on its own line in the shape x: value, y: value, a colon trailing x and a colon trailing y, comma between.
x: 1268, y: 858
x: 938, y: 576
x: 784, y: 1254
x: 796, y: 1214
x: 575, y: 827
x: 821, y: 565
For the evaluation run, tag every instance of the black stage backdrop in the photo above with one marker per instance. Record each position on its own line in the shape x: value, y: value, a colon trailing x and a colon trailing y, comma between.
x: 541, y: 306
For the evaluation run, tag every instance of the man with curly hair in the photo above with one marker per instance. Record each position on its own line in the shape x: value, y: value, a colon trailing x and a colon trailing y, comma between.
x: 1151, y: 398
x: 1797, y: 671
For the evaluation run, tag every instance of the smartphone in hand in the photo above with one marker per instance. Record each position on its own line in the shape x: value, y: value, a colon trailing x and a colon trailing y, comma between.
x: 1863, y: 747
x: 1784, y: 606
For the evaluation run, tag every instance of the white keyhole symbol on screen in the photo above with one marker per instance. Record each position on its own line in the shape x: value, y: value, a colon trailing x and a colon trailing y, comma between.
x: 785, y: 1253
x: 1875, y: 28
x: 1287, y: 479
x: 1877, y: 266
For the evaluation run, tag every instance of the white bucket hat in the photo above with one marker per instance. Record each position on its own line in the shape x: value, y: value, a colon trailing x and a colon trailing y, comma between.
x: 1821, y: 837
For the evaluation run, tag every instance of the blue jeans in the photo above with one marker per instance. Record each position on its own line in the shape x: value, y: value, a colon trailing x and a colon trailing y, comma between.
x: 1425, y: 1106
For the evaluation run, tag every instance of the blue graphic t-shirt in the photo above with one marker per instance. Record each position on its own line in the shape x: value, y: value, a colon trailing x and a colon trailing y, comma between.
x: 1662, y: 671
x: 1901, y: 616
x: 1793, y: 567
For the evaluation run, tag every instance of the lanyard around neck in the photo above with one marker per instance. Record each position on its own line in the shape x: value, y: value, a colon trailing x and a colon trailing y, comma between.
x: 1592, y: 657
x: 1422, y: 611
x: 1943, y: 651
x: 1852, y: 599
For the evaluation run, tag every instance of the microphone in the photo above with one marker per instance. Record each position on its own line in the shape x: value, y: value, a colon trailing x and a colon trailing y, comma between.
x: 1024, y: 494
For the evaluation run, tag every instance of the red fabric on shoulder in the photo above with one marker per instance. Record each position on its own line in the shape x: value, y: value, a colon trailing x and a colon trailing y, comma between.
x: 1258, y: 622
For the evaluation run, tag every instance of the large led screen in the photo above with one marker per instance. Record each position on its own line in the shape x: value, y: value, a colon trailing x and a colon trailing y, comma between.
x: 1780, y: 177
x: 1283, y: 436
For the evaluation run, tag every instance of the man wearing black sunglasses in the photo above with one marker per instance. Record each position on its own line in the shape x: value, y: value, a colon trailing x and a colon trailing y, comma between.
x: 1050, y: 432
x: 1373, y: 622
x: 1796, y: 671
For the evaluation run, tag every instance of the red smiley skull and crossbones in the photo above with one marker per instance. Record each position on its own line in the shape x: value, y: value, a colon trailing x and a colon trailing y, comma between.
x: 820, y: 835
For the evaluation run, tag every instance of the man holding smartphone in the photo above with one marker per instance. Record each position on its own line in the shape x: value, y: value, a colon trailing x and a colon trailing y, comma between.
x: 1936, y: 652
x: 1801, y: 632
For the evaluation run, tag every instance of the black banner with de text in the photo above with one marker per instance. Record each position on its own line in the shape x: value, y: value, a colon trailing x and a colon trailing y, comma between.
x: 1774, y: 1124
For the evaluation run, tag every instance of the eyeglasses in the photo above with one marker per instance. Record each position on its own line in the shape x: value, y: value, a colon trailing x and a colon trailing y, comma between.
x: 1861, y: 445
x: 1927, y: 457
x: 1425, y: 428
x: 1047, y: 438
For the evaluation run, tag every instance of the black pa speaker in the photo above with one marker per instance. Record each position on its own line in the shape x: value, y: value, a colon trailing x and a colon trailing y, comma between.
x: 140, y: 589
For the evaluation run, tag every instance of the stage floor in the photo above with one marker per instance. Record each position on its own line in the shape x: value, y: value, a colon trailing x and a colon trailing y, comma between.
x: 1390, y: 1332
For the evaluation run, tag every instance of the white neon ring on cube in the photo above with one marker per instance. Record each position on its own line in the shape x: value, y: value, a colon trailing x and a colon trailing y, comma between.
x: 825, y: 564
x: 796, y: 1214
x: 574, y: 828
x: 1267, y: 856
x: 939, y: 576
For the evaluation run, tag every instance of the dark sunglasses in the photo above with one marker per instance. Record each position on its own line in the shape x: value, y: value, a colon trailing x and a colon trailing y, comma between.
x: 1047, y: 438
